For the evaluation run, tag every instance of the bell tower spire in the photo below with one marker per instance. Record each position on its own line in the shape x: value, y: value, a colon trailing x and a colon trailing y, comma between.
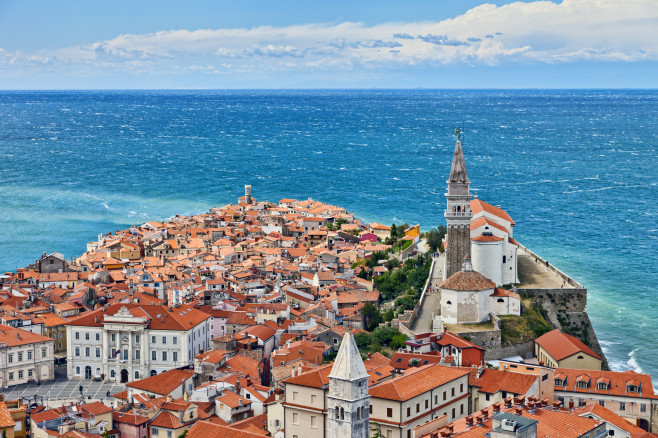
x: 348, y: 400
x: 458, y: 212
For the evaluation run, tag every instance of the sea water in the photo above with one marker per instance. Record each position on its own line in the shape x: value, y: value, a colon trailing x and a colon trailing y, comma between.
x: 577, y: 170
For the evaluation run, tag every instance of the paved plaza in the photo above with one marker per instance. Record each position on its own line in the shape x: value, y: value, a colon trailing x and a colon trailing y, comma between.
x: 62, y: 389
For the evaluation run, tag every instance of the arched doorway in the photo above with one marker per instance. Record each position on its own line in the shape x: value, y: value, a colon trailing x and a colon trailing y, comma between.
x: 124, y: 376
x: 87, y: 372
x: 154, y: 372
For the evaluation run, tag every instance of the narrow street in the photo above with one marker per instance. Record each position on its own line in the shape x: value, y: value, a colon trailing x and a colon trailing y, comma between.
x: 432, y: 301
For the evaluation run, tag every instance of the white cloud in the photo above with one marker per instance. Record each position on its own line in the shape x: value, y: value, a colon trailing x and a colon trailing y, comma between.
x: 540, y: 31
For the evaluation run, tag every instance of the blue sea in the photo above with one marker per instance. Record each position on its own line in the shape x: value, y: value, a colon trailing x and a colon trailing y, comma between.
x: 577, y: 170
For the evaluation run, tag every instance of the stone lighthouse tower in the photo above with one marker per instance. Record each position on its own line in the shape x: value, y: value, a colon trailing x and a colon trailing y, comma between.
x: 458, y: 213
x: 348, y: 400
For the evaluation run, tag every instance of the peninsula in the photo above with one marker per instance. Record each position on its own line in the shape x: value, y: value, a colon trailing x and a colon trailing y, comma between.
x: 296, y: 318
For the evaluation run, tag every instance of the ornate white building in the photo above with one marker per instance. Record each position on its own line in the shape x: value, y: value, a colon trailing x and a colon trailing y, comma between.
x: 126, y: 342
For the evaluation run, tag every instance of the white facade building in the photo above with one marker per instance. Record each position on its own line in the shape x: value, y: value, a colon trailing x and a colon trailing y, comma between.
x: 24, y: 356
x: 127, y: 342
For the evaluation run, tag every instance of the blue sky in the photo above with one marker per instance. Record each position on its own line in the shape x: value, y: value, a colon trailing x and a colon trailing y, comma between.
x: 338, y: 44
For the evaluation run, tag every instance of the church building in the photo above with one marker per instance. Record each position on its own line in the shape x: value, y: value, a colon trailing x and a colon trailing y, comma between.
x: 477, y: 230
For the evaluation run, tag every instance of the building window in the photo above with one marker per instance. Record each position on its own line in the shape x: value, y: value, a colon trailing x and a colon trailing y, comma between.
x: 114, y: 337
x: 175, y: 356
x: 77, y: 335
x: 417, y: 407
x: 98, y: 352
x: 602, y: 402
x: 164, y: 356
x: 154, y: 431
x: 643, y: 408
x: 98, y: 336
x: 86, y: 336
x: 452, y: 392
x: 294, y: 395
x: 11, y: 376
x: 461, y: 409
x: 20, y: 356
x: 77, y: 351
x: 20, y: 375
x: 10, y: 358
x: 314, y: 422
x: 137, y: 355
x: 175, y: 340
x: 445, y: 395
x: 153, y: 355
x: 408, y: 412
x: 461, y: 387
x: 295, y: 418
x: 633, y: 388
x: 370, y: 409
x: 29, y: 355
x: 152, y: 339
x: 504, y: 259
x: 87, y: 351
x: 582, y: 384
x: 453, y: 413
x: 112, y: 373
x: 164, y: 339
x: 313, y: 397
x: 427, y: 404
x: 559, y: 382
x: 389, y: 412
x: 622, y: 406
x: 602, y: 385
x: 77, y: 370
x: 486, y: 397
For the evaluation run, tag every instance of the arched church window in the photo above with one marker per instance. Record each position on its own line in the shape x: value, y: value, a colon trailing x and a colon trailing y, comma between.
x: 342, y: 413
x: 459, y: 209
x: 358, y: 413
x: 448, y: 303
x: 500, y: 300
x: 504, y: 259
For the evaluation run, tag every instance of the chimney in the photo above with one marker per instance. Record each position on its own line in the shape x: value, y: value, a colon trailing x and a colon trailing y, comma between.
x: 543, y: 402
x: 557, y: 404
x: 508, y: 403
x: 181, y: 415
x: 237, y: 386
x: 131, y: 288
x: 478, y: 420
x: 485, y: 413
x: 518, y: 410
x: 469, y: 420
x: 496, y: 407
x: 169, y: 399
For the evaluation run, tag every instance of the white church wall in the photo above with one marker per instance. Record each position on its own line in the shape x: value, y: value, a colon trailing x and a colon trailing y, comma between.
x: 487, y: 259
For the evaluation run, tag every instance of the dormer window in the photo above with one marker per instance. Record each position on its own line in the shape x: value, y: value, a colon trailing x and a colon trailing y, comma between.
x: 559, y: 382
x: 633, y: 388
x: 602, y: 385
x: 582, y: 384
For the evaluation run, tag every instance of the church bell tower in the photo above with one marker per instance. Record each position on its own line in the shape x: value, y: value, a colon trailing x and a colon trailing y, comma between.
x: 348, y: 399
x: 458, y: 213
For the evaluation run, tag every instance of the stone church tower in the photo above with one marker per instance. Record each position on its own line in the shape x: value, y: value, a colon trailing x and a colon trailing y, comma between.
x: 458, y: 214
x: 348, y: 399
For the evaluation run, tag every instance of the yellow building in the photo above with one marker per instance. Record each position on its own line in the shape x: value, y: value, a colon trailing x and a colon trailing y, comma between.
x: 54, y: 326
x: 560, y: 350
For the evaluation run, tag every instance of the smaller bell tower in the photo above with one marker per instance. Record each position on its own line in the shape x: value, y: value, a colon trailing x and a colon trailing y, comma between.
x: 348, y: 400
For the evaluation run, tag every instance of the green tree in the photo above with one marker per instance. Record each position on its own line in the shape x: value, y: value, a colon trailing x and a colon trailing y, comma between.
x: 434, y: 237
x: 371, y: 315
x: 362, y: 339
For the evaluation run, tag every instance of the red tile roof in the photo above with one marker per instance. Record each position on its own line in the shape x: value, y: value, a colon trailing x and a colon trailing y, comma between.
x: 467, y: 281
x: 14, y: 336
x: 206, y: 429
x: 415, y: 382
x: 618, y: 382
x: 561, y: 345
x: 478, y: 205
x: 163, y: 383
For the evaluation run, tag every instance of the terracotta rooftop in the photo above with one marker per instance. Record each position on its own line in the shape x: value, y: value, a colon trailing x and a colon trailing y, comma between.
x: 467, y: 281
x: 561, y: 345
x: 163, y: 383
